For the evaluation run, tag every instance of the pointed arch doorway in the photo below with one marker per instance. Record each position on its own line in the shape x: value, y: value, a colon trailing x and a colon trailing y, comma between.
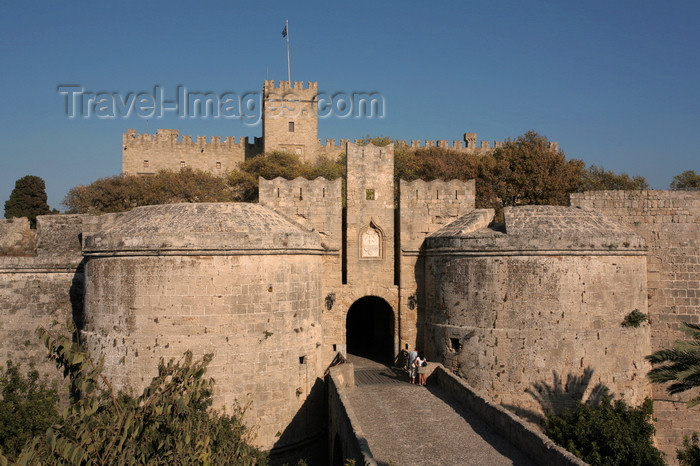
x: 369, y: 329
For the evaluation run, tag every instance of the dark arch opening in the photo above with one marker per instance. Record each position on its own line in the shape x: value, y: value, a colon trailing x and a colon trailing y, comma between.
x: 369, y: 329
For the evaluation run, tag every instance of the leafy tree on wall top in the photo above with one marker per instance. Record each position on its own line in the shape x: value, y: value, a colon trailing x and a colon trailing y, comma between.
x: 687, y: 179
x: 596, y: 178
x: 28, y: 199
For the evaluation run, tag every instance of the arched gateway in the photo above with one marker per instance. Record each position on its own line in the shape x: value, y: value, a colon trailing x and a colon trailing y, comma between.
x: 369, y: 329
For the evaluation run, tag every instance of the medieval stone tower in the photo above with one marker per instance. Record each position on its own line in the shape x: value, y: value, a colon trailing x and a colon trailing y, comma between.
x: 290, y: 119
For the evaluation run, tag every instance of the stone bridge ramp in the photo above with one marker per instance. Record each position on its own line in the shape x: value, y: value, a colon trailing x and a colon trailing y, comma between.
x: 408, y: 424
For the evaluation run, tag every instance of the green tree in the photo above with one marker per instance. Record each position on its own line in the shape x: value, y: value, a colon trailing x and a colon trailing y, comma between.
x: 169, y: 423
x: 528, y: 171
x: 28, y: 406
x: 124, y: 192
x: 596, y: 178
x: 611, y: 433
x: 687, y: 179
x: 680, y: 364
x: 28, y: 199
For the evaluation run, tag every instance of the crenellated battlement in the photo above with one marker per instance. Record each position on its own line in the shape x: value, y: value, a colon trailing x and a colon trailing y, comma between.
x: 299, y: 189
x: 328, y: 145
x: 167, y: 150
x: 453, y: 190
x: 315, y: 204
x: 282, y: 86
x: 171, y: 138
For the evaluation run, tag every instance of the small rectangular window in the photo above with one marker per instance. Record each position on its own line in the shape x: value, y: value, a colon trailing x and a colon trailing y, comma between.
x: 182, y: 164
x: 218, y: 165
x: 369, y: 195
x: 145, y: 164
x: 291, y: 126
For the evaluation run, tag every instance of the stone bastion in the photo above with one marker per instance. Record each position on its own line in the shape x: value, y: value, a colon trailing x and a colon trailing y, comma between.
x: 236, y: 280
x: 530, y: 311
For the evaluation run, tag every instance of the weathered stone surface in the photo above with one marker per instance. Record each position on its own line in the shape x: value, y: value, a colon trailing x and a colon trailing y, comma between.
x: 17, y: 238
x: 538, y: 228
x: 214, y: 227
x: 146, y: 154
x: 669, y: 221
x: 509, y: 314
x: 59, y: 234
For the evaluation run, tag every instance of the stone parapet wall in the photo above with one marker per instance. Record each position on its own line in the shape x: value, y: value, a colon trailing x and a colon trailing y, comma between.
x: 315, y: 204
x: 59, y: 234
x: 526, y: 437
x: 669, y: 221
x: 345, y: 438
x: 17, y: 238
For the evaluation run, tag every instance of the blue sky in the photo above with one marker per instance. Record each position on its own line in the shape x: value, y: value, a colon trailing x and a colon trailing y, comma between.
x: 616, y: 83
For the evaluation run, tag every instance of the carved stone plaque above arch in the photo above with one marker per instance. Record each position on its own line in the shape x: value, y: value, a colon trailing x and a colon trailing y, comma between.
x: 371, y: 241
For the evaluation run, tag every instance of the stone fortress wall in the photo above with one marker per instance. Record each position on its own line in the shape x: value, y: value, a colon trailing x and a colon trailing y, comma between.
x: 290, y: 123
x: 516, y: 309
x: 41, y: 284
x: 504, y: 306
x: 669, y: 221
x: 146, y: 154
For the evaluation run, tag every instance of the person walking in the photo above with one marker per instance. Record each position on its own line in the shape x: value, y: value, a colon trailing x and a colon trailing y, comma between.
x: 412, y: 369
x: 422, y: 367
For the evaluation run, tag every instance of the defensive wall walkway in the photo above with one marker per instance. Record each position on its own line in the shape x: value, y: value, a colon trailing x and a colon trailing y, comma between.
x: 378, y: 418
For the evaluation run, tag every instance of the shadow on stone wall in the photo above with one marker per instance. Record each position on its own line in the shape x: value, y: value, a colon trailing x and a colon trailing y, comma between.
x: 559, y: 395
x: 77, y: 298
x: 306, y: 436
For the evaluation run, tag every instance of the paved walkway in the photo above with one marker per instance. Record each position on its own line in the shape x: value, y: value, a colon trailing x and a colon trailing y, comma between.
x: 411, y: 425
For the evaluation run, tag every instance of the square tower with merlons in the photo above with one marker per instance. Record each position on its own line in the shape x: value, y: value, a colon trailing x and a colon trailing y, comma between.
x: 290, y: 118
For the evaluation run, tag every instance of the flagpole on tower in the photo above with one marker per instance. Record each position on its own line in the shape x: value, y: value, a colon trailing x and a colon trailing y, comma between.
x: 285, y: 34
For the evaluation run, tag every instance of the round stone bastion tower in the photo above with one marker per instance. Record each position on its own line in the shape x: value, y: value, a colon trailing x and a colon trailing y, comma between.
x: 236, y: 280
x: 530, y: 312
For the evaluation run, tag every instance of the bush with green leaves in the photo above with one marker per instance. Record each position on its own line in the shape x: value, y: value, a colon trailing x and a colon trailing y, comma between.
x: 635, y: 319
x: 28, y: 406
x: 689, y: 455
x: 611, y: 433
x: 169, y: 423
x: 124, y: 192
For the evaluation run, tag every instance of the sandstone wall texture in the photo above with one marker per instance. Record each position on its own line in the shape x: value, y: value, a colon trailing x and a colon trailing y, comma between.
x: 39, y: 287
x: 290, y: 118
x: 669, y: 221
x: 317, y: 205
x: 146, y: 154
x: 17, y: 238
x: 518, y: 311
x: 425, y: 207
x: 235, y: 280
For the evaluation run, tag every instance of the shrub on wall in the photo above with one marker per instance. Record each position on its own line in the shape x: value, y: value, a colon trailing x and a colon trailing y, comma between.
x: 611, y: 433
x: 169, y: 423
x: 28, y: 406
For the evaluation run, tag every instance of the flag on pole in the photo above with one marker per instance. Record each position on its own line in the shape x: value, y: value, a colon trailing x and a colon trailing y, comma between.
x: 284, y: 31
